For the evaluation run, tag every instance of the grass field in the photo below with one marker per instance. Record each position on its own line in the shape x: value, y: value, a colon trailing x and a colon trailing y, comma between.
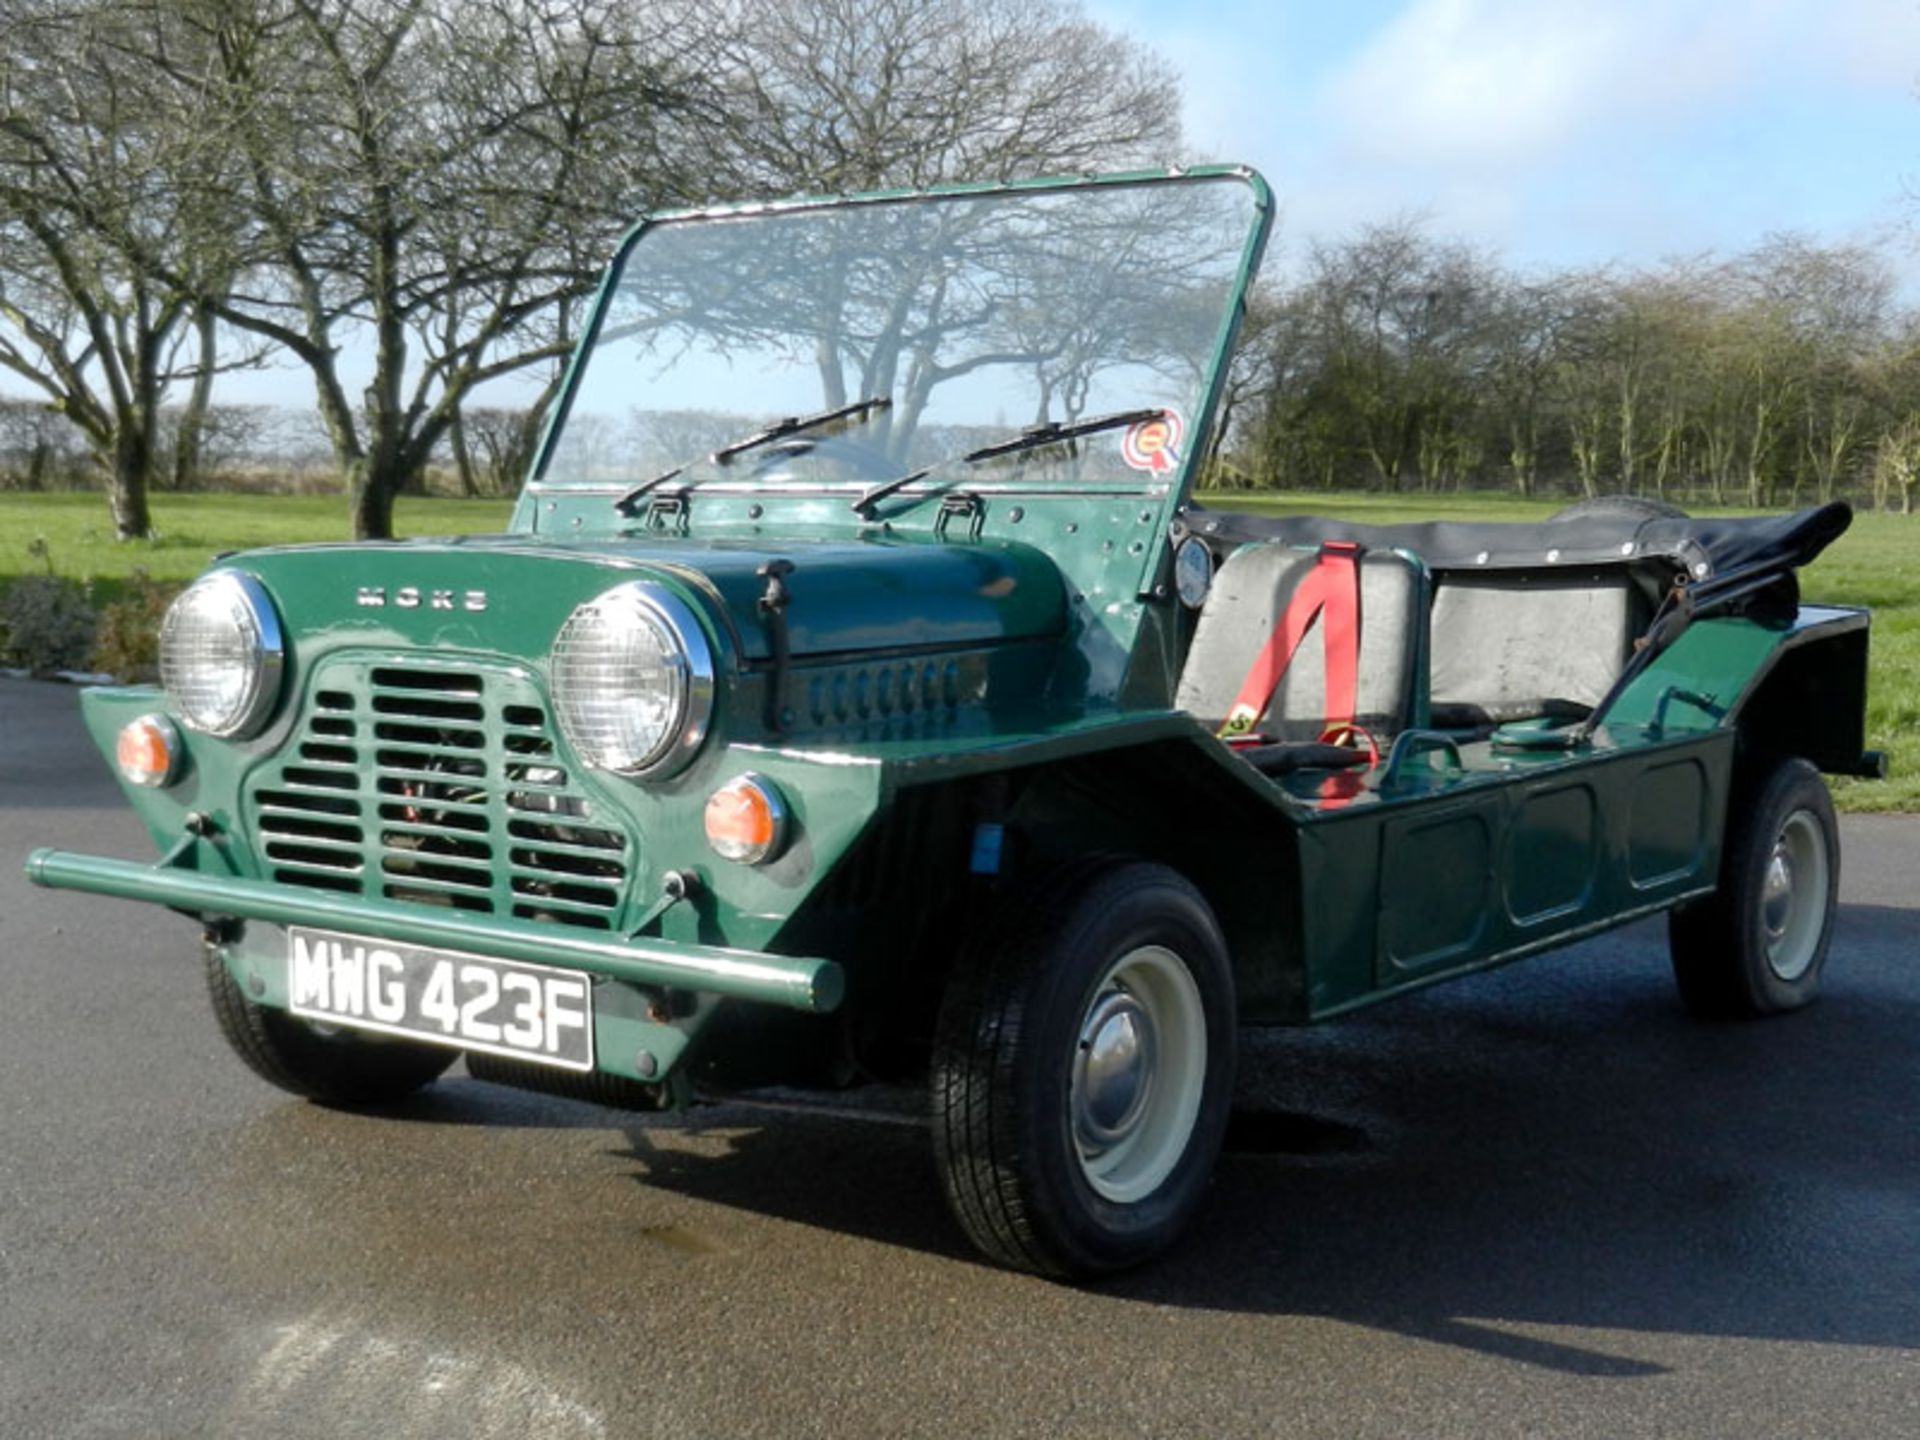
x: 194, y: 528
x: 1876, y: 564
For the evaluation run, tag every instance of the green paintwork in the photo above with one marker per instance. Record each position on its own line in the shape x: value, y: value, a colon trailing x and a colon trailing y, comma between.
x: 953, y: 675
x: 855, y: 594
x: 1716, y: 660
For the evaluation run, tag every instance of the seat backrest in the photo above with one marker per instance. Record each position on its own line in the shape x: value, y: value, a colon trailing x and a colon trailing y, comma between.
x: 1251, y: 593
x: 1505, y: 644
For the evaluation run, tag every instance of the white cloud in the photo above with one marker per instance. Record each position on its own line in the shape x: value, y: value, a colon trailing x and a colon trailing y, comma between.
x: 1572, y: 131
x: 1871, y: 42
x: 1474, y: 80
x: 1496, y: 84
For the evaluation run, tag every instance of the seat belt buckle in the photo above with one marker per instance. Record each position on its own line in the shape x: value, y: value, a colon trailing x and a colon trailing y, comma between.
x: 1240, y: 722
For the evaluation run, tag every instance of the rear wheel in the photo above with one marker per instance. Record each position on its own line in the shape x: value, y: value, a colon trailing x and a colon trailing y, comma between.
x: 1083, y: 1067
x: 1758, y: 945
x: 335, y: 1067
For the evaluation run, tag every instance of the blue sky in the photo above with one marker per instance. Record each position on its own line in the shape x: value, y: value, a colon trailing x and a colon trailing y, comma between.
x: 1554, y: 132
x: 1559, y: 132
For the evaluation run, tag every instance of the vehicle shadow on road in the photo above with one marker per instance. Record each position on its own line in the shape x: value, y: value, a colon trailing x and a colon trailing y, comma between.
x: 1556, y: 1148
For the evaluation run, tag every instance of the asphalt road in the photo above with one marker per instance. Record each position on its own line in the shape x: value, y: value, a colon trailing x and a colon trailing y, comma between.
x: 1540, y: 1202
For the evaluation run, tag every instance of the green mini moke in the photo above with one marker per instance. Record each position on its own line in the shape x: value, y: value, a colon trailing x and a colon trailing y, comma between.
x: 859, y: 692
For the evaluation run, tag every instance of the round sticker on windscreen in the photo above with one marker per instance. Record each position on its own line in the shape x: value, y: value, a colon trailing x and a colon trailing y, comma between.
x: 1153, y: 444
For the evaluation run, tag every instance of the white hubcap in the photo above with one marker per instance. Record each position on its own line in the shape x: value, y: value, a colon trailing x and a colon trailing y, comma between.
x: 1793, y: 896
x: 1139, y: 1070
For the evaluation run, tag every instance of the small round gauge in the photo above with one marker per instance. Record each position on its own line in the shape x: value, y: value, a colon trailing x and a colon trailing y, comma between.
x: 1192, y: 572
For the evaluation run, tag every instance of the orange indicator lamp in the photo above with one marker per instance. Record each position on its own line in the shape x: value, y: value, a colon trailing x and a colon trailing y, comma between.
x: 148, y: 751
x: 747, y: 820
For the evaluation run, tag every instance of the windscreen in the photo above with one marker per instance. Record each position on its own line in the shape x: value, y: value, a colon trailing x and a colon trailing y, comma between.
x: 941, y: 325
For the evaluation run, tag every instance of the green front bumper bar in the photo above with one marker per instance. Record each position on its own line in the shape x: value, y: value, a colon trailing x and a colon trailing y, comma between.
x: 815, y: 986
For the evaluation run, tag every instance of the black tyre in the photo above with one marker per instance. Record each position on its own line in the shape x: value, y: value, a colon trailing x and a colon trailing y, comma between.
x: 1083, y: 1068
x: 333, y: 1067
x: 1637, y: 507
x: 1758, y: 944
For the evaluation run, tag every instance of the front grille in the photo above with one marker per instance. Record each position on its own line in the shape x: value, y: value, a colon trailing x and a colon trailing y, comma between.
x: 437, y: 787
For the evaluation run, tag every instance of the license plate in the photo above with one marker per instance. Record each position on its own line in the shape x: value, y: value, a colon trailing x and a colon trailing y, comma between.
x: 471, y: 1002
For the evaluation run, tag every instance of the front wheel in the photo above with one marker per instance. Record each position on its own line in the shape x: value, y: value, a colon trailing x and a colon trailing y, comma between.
x: 1758, y: 944
x: 335, y: 1067
x: 1083, y: 1067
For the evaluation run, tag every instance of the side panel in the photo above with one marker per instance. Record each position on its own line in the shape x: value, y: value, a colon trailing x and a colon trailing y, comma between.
x: 1553, y: 852
x: 1438, y: 879
x: 1490, y: 867
x: 1331, y: 909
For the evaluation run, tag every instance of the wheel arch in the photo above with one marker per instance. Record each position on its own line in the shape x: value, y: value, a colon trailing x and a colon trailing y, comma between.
x: 1810, y: 701
x: 1171, y: 802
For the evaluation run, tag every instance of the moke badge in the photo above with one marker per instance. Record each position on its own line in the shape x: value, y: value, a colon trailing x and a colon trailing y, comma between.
x: 412, y: 597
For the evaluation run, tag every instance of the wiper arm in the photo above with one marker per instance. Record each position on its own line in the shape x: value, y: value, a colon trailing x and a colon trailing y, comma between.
x: 1051, y: 430
x: 795, y: 424
x: 779, y: 430
x: 626, y: 503
x: 1033, y: 435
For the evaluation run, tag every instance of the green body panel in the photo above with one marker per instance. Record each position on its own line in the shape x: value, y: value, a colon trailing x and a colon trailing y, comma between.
x: 1502, y: 857
x: 1720, y: 661
x: 850, y: 592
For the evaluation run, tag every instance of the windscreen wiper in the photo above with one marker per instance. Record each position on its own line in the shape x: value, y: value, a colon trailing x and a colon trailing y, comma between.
x: 795, y: 424
x: 1044, y: 433
x: 1048, y: 431
x: 779, y: 430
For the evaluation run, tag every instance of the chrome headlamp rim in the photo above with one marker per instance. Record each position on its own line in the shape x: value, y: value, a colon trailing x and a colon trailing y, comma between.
x: 683, y: 627
x: 270, y: 654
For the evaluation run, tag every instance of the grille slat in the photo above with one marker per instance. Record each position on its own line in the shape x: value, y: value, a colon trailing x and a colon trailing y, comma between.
x: 436, y: 817
x: 274, y: 802
x: 408, y: 705
x: 445, y: 899
x: 431, y: 792
x: 319, y: 880
x: 439, y: 787
x: 306, y: 777
x: 565, y: 892
x: 429, y: 762
x: 309, y: 832
x: 430, y: 841
x: 572, y: 840
x: 452, y: 737
x: 435, y: 874
x: 330, y: 755
x: 313, y: 857
x: 564, y: 867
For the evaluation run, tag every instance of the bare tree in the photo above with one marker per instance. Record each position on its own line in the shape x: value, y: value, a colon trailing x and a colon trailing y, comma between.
x: 500, y: 444
x: 38, y: 449
x: 1397, y: 325
x: 1524, y: 328
x: 101, y: 192
x: 438, y: 179
x: 1834, y: 304
x: 841, y: 95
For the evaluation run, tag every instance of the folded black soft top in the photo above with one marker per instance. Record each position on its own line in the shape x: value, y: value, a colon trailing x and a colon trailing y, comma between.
x: 1702, y: 547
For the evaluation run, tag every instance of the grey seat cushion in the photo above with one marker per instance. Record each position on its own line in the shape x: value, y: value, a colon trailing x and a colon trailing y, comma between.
x: 1250, y: 594
x: 1505, y: 644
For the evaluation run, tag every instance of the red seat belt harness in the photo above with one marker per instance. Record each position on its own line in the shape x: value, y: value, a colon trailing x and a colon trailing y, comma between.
x: 1329, y: 593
